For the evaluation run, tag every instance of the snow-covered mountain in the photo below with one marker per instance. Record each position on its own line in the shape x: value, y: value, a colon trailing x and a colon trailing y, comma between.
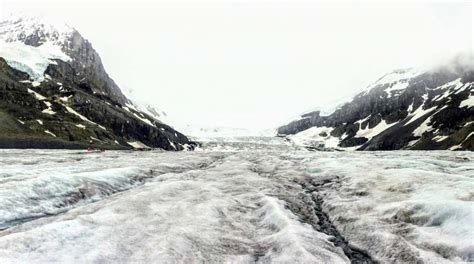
x: 55, y: 93
x: 405, y: 109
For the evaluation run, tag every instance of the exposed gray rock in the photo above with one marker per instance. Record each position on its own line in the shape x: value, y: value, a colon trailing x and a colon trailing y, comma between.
x: 400, y: 99
x: 89, y: 110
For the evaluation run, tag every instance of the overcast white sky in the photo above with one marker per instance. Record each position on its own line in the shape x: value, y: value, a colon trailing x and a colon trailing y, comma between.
x: 255, y: 64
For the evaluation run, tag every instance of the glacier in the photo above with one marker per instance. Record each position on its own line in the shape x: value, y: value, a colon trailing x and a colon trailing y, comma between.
x: 242, y: 200
x: 32, y: 60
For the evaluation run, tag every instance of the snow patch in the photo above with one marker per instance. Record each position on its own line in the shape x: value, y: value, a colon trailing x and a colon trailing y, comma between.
x: 362, y: 120
x: 424, y: 127
x: 369, y: 133
x: 48, y: 111
x: 65, y: 98
x: 419, y: 112
x: 50, y: 133
x: 37, y: 95
x: 72, y: 111
x: 144, y: 120
x: 402, y: 85
x: 172, y: 144
x: 138, y: 145
x: 96, y: 139
x: 315, y: 136
x: 469, y: 102
x: 440, y: 138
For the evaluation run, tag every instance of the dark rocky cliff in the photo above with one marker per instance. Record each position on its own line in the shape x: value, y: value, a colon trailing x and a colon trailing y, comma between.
x: 75, y: 104
x: 404, y: 110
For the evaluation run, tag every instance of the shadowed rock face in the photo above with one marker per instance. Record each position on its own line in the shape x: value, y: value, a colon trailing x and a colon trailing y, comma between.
x: 88, y: 64
x: 430, y: 110
x: 76, y: 106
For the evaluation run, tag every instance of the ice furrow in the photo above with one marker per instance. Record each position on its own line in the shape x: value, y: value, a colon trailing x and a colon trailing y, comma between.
x: 48, y: 196
x: 356, y: 255
x: 37, y: 197
x: 307, y: 204
x: 323, y: 222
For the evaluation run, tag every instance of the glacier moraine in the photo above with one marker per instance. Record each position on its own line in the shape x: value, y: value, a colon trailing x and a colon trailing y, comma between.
x: 255, y: 205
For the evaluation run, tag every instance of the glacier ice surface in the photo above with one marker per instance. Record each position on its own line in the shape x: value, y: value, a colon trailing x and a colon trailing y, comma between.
x: 241, y: 205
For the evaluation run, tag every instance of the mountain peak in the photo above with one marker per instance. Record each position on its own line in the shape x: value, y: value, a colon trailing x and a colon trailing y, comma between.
x: 34, y: 30
x: 397, y: 75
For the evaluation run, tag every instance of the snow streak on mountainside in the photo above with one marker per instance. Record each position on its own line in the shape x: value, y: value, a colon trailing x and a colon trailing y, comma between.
x: 405, y: 109
x: 277, y: 206
x: 55, y: 93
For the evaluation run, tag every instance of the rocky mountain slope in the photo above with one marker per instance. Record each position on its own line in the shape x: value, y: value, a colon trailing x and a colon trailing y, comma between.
x: 405, y: 109
x: 55, y: 93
